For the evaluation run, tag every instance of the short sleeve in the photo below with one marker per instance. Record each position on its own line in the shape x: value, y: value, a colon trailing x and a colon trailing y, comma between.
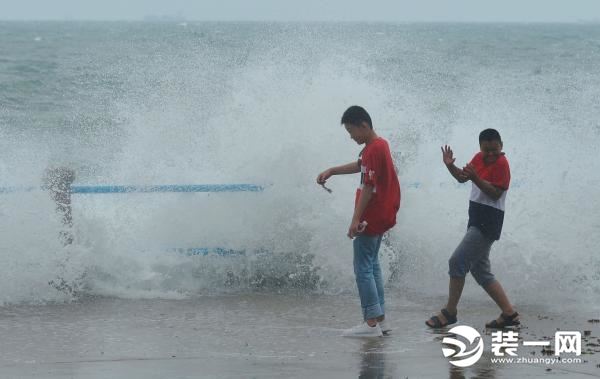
x: 474, y: 160
x: 501, y: 174
x: 373, y: 166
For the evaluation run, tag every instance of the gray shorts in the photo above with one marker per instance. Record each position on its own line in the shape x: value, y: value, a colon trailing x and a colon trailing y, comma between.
x: 472, y: 254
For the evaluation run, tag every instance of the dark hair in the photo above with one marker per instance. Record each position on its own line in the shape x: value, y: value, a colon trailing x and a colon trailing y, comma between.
x: 489, y: 135
x: 356, y: 115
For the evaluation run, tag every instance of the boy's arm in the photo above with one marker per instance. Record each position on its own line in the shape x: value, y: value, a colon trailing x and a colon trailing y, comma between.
x: 448, y: 158
x: 485, y: 186
x: 350, y: 168
x: 365, y: 196
x: 457, y: 173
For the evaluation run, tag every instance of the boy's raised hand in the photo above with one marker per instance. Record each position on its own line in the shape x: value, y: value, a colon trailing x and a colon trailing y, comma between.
x: 448, y: 158
x: 448, y: 155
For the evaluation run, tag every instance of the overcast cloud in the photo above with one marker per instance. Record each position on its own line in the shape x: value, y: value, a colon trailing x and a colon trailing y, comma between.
x: 306, y: 10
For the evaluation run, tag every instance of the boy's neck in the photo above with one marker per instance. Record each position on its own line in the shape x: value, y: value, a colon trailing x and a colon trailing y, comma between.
x: 371, y: 137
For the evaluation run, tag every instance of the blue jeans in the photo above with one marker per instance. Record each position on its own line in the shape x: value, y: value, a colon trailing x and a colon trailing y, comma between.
x: 368, y: 275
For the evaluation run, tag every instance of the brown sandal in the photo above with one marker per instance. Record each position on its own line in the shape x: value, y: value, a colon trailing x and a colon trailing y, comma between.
x: 506, y: 321
x: 437, y: 323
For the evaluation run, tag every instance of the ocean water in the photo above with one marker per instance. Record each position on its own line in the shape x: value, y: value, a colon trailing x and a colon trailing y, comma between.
x: 203, y: 103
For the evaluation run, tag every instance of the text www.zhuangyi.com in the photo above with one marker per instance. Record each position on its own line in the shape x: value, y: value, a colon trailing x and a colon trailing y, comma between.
x: 546, y: 361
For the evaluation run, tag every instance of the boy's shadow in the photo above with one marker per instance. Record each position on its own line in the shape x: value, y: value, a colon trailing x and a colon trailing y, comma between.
x: 483, y: 369
x: 374, y: 359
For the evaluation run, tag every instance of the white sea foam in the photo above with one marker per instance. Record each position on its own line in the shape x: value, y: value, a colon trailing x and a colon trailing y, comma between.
x: 261, y: 104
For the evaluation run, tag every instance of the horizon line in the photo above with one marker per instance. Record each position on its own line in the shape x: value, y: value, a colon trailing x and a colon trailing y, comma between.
x: 167, y: 19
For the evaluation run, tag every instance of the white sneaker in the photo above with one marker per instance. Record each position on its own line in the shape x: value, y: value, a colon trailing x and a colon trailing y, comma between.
x: 385, y: 327
x: 363, y: 330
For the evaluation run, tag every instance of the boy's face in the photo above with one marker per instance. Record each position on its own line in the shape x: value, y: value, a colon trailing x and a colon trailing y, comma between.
x: 491, y: 150
x: 358, y: 133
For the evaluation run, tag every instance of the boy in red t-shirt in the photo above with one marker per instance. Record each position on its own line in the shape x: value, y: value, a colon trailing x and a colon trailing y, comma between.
x: 490, y: 176
x: 375, y: 207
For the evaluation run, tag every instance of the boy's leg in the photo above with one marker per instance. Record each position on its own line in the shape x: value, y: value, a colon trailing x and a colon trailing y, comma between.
x: 454, y: 291
x: 481, y: 271
x: 459, y: 265
x: 379, y: 281
x: 365, y: 251
x: 496, y: 292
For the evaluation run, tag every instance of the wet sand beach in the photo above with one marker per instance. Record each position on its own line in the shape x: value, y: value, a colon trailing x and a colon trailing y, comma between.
x: 257, y: 336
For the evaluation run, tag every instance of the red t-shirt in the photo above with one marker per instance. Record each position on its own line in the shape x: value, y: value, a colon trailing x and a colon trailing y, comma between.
x: 377, y: 170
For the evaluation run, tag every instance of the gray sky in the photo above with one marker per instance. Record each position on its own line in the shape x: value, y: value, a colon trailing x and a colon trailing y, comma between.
x: 307, y: 10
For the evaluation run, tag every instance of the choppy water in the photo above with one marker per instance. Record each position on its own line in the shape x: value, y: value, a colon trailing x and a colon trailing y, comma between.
x: 145, y: 103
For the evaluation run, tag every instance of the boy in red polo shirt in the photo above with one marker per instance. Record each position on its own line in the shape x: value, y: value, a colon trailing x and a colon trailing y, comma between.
x: 376, y: 204
x: 489, y: 173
